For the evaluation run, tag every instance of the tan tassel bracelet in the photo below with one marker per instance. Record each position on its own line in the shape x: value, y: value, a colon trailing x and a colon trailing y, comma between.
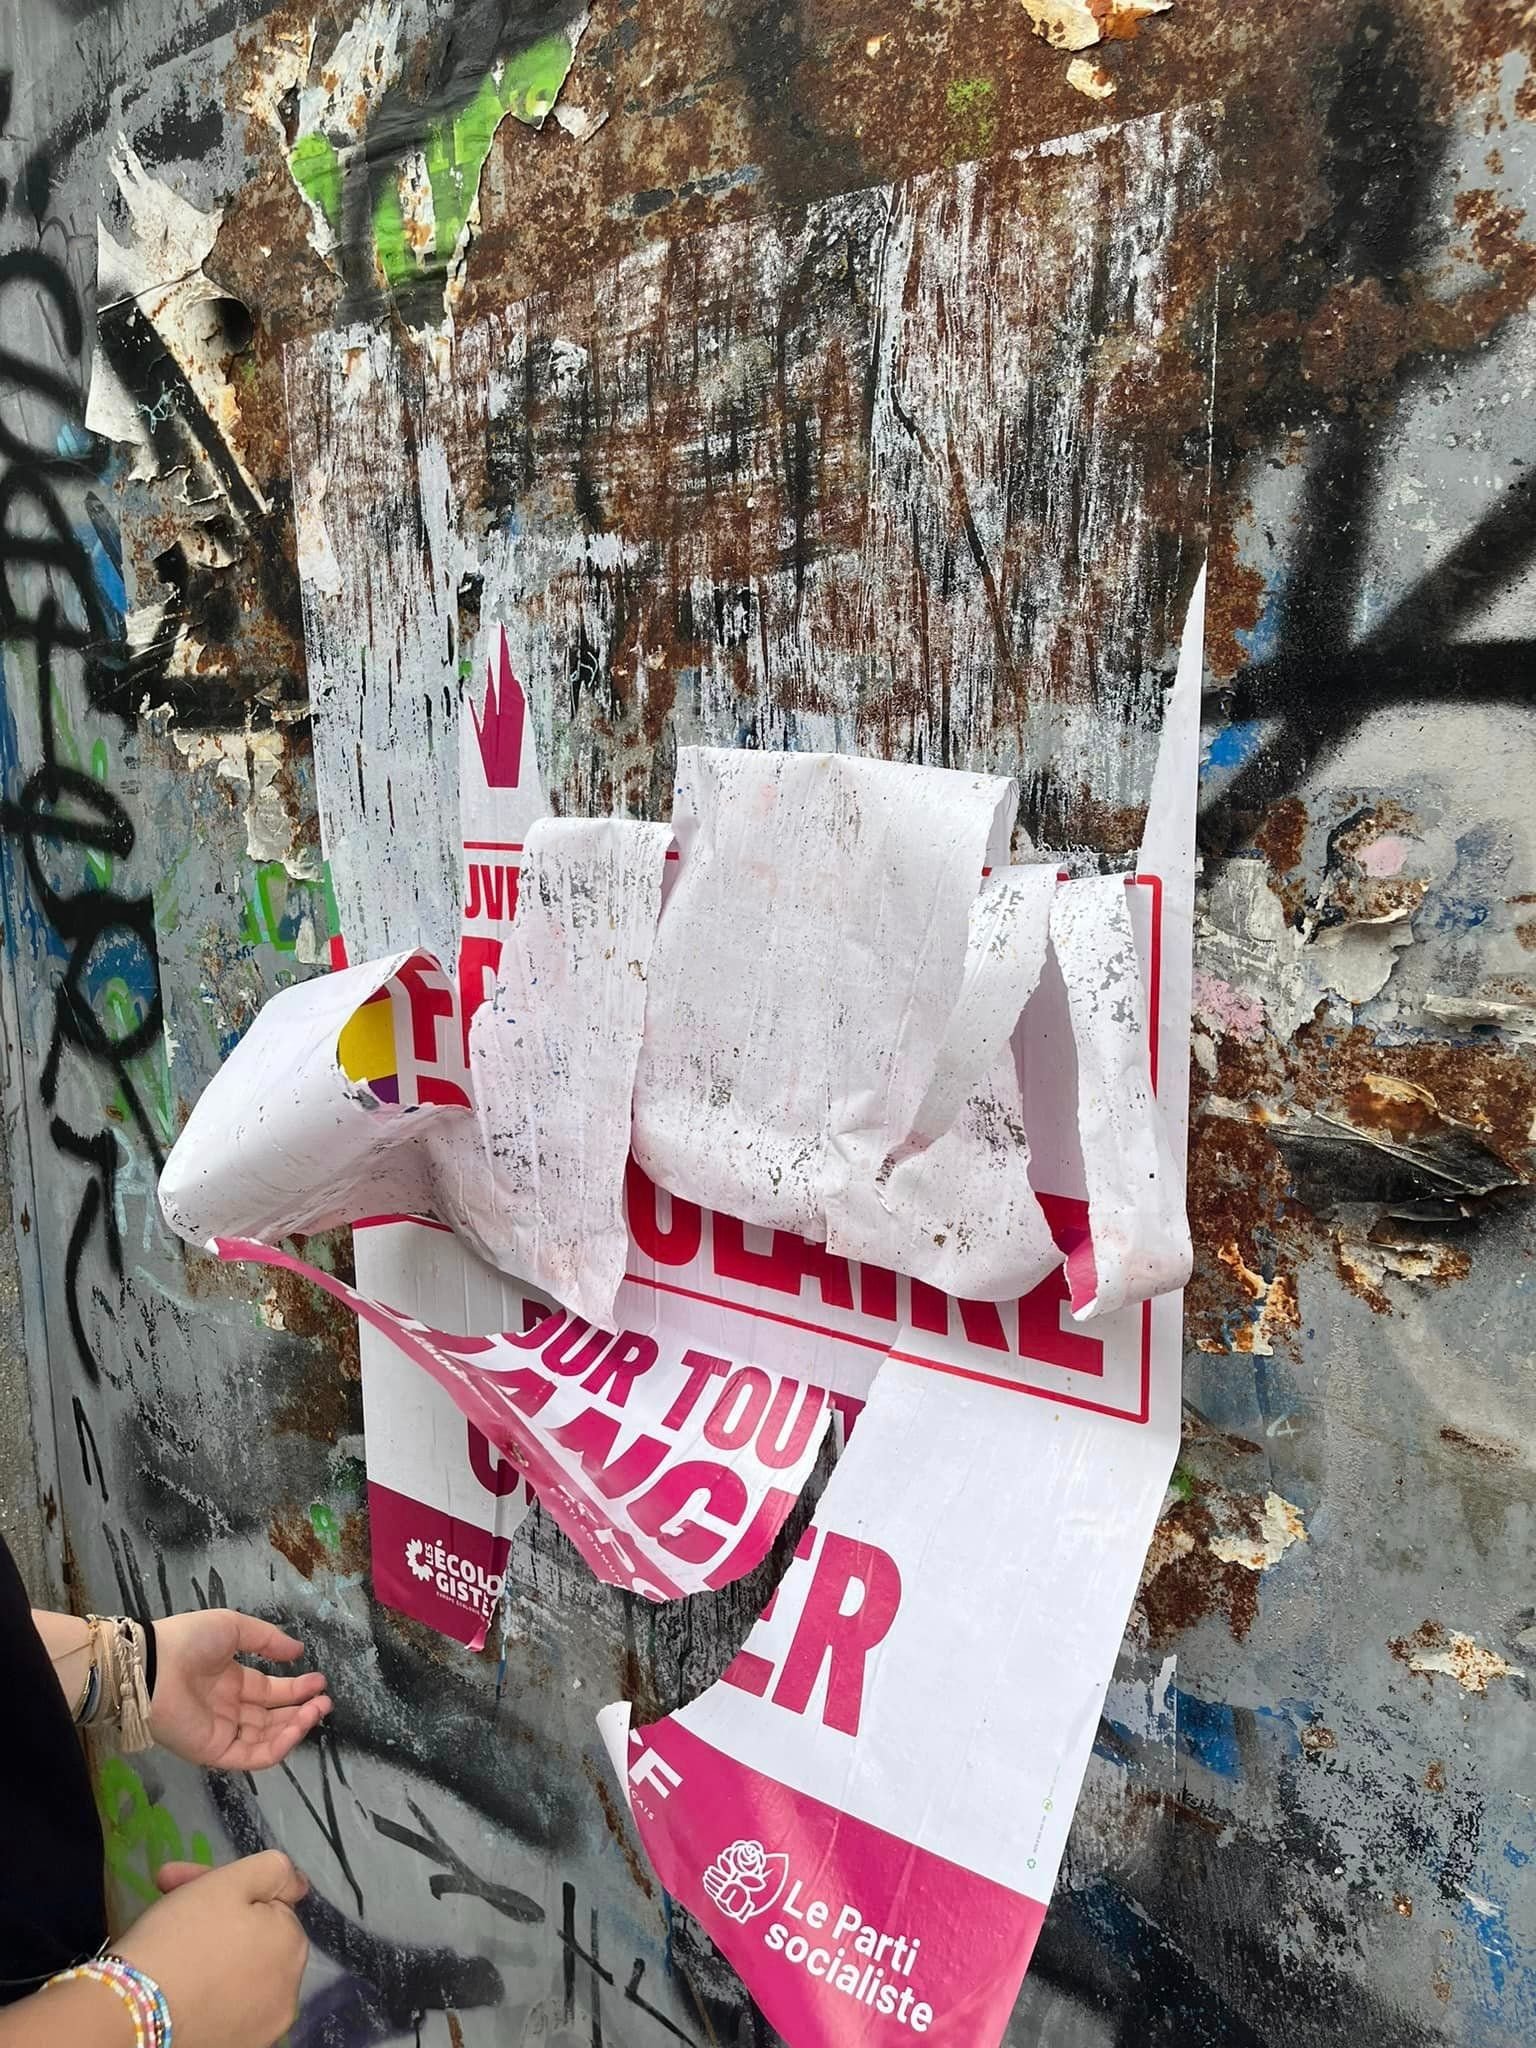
x: 116, y: 1691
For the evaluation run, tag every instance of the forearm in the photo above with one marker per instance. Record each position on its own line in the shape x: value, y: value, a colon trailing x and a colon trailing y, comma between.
x: 84, y: 2015
x: 67, y: 1640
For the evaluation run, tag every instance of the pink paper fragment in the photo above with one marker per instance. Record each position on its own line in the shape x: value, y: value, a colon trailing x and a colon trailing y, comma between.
x: 670, y: 1469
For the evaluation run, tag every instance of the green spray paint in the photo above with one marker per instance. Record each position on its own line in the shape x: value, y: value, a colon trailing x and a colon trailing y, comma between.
x: 140, y: 1833
x: 122, y: 1014
x: 273, y: 913
x: 316, y: 171
x: 454, y: 150
x: 67, y: 747
x: 325, y: 1525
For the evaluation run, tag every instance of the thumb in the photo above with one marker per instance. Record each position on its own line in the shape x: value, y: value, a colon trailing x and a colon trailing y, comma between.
x: 271, y: 1878
x: 172, y: 1876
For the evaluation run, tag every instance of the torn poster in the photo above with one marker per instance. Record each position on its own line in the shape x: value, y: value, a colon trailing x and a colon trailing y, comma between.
x: 821, y: 1046
x: 867, y: 1812
x: 680, y: 1485
x: 443, y: 1503
x: 679, y: 1488
x: 976, y: 556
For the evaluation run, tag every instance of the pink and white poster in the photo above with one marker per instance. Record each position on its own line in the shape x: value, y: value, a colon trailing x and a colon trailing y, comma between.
x: 868, y: 1811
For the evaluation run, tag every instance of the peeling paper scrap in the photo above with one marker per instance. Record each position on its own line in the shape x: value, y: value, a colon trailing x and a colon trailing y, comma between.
x: 966, y: 1155
x: 866, y: 1814
x: 788, y: 1302
x: 753, y: 1094
x: 554, y: 1053
x: 670, y: 1471
x: 443, y: 1505
x: 1139, y: 1243
x: 286, y: 1138
x: 382, y: 1060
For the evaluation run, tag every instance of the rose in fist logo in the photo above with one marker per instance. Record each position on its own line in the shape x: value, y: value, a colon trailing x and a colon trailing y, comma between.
x: 744, y: 1880
x: 419, y: 1567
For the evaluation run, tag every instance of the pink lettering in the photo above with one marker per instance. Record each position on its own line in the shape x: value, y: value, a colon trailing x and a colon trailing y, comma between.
x: 826, y: 1635
x: 621, y: 1365
x: 702, y: 1368
x: 525, y: 1389
x: 785, y: 1267
x: 725, y: 1496
x: 675, y: 1245
x: 754, y: 1546
x: 478, y: 961
x: 746, y: 1393
x: 495, y: 1473
x: 1042, y: 1333
x: 782, y: 1442
x: 566, y: 1354
x: 591, y: 1435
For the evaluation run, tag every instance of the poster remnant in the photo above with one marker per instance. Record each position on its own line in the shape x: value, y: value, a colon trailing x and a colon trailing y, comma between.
x: 443, y: 1503
x: 867, y: 1812
x: 972, y: 442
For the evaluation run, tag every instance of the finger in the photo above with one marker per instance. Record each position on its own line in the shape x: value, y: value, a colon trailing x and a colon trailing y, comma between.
x: 260, y: 1690
x: 264, y: 1639
x: 271, y: 1878
x: 261, y: 1745
x: 170, y: 1877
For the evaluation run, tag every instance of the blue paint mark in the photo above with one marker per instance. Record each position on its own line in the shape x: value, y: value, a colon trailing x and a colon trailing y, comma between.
x: 1485, y: 1917
x: 1261, y: 641
x: 107, y: 574
x: 23, y: 915
x: 126, y: 960
x: 1207, y: 1734
x: 1283, y: 1722
x: 1232, y: 747
x: 1518, y: 1857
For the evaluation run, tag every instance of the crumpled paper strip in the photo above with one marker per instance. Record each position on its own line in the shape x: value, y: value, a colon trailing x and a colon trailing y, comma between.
x: 282, y: 1139
x: 953, y: 1202
x: 810, y: 955
x: 553, y: 1055
x: 1139, y: 1233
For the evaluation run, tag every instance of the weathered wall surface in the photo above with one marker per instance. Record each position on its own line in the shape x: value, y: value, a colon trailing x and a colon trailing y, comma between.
x: 1309, y: 1817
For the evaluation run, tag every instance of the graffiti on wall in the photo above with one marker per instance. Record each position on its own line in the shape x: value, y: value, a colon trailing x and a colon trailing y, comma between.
x: 1362, y: 1160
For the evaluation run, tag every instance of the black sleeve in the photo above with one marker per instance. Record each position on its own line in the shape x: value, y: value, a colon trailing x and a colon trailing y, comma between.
x: 53, y: 1908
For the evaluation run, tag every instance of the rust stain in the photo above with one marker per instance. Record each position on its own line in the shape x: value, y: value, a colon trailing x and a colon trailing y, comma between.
x: 1318, y: 1741
x: 1434, y: 1778
x: 1234, y: 605
x: 1497, y: 1450
x: 1183, y: 1582
x: 614, y: 1821
x: 1432, y: 1651
x: 1403, y: 1904
x: 292, y: 1533
x: 455, y: 2030
x: 1282, y: 835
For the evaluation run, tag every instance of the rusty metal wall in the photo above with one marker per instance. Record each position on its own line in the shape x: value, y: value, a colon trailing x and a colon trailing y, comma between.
x: 1309, y: 1817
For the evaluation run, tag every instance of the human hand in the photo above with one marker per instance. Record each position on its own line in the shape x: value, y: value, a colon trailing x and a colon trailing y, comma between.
x: 227, y: 1950
x: 219, y: 1713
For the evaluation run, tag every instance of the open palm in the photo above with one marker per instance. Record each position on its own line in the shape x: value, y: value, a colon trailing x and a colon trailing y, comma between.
x: 213, y: 1710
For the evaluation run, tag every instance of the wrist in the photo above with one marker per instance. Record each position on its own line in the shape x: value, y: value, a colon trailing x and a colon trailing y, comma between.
x: 99, y: 2005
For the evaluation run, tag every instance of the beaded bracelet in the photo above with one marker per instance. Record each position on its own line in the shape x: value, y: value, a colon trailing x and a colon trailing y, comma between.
x: 138, y: 1991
